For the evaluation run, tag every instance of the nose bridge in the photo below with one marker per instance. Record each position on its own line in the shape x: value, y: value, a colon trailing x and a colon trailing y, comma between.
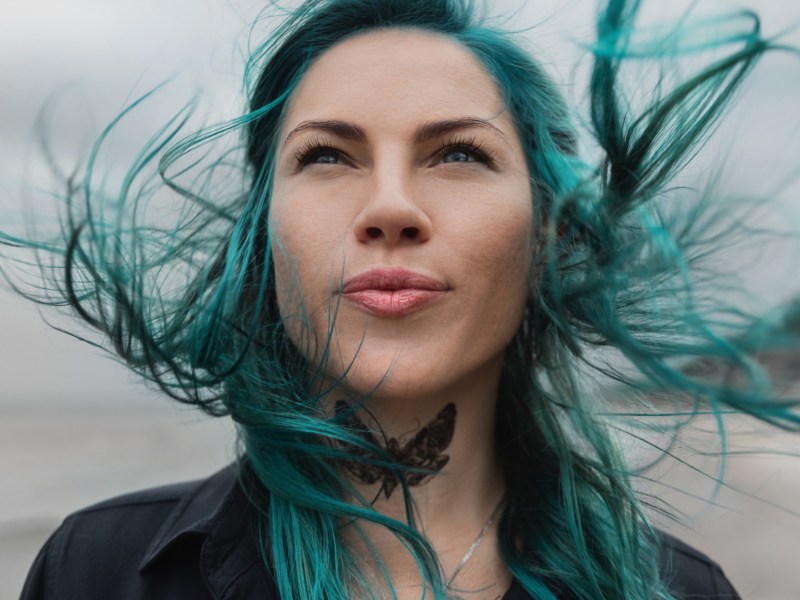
x: 391, y: 182
x: 392, y: 212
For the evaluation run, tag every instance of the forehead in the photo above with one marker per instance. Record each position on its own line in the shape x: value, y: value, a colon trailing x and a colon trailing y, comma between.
x: 403, y: 73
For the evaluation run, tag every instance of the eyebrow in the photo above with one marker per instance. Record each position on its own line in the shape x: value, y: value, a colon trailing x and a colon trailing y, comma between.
x: 423, y: 133
x: 342, y: 129
x: 435, y: 129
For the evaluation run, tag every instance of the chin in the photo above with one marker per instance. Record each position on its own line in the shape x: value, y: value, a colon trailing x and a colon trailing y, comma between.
x: 384, y: 370
x: 414, y: 374
x: 390, y: 378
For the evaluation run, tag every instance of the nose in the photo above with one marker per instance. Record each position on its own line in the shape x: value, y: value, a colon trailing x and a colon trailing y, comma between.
x: 392, y: 215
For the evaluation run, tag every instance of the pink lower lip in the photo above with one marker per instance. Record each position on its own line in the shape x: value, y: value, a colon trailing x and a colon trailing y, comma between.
x: 393, y: 303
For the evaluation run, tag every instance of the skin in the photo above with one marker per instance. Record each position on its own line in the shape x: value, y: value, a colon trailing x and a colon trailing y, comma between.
x: 456, y: 207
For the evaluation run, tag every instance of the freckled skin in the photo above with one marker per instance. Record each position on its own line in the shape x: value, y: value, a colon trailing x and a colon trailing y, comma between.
x: 456, y: 208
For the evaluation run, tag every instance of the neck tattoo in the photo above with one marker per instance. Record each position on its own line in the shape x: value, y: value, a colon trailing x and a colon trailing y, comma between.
x: 424, y: 450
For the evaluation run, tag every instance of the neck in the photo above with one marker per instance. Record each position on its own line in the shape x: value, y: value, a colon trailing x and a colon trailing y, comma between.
x: 450, y: 433
x: 452, y: 506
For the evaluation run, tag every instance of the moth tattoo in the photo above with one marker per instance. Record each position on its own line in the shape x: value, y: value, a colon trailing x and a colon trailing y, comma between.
x: 424, y: 450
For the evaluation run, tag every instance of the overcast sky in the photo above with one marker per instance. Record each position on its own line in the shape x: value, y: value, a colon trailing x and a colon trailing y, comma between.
x: 106, y: 52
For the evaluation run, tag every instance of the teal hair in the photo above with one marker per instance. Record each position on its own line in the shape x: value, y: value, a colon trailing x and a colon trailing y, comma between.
x: 192, y: 307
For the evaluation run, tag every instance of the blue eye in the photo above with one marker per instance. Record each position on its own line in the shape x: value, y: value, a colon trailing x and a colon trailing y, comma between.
x: 454, y: 156
x: 320, y: 156
x: 324, y: 156
x: 465, y: 151
x: 318, y: 152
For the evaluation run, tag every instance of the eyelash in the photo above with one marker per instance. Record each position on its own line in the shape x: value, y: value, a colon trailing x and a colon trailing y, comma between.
x: 316, y: 147
x: 469, y: 145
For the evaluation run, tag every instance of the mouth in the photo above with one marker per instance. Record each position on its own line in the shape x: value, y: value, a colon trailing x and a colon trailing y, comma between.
x: 392, y: 292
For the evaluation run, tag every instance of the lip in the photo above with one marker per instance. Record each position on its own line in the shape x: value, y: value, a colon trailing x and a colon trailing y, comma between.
x: 392, y: 292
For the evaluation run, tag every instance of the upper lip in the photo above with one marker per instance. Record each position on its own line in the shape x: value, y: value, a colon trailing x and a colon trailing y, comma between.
x: 390, y: 279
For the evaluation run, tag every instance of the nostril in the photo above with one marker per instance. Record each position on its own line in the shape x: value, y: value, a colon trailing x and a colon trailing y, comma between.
x: 373, y: 232
x: 410, y: 232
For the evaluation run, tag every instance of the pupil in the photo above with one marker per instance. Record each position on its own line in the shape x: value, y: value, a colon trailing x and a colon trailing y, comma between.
x: 457, y: 156
x: 326, y: 158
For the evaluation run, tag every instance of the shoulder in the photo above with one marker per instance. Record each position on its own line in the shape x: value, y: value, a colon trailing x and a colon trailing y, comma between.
x: 106, y: 546
x: 690, y: 574
x: 128, y: 520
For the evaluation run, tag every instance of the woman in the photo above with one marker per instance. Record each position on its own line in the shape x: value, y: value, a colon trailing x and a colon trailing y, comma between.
x: 394, y: 313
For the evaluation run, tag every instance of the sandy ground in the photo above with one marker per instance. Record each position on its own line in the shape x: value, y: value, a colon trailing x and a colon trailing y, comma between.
x: 53, y: 461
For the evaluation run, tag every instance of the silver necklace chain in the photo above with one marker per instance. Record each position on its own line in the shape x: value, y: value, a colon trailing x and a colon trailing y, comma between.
x: 474, y: 545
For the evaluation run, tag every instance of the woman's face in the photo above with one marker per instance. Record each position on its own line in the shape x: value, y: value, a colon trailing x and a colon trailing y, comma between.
x: 402, y: 204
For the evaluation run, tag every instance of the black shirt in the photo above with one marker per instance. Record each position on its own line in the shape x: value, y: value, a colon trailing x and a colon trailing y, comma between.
x: 196, y: 541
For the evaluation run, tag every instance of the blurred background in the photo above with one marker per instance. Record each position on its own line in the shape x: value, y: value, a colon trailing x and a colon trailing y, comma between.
x: 75, y: 427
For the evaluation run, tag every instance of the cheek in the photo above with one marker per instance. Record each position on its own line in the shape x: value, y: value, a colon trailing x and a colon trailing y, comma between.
x: 289, y: 238
x: 500, y: 238
x: 285, y: 250
x: 306, y: 257
x: 501, y: 260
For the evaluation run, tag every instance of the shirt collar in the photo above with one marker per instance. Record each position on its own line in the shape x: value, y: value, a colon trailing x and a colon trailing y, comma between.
x: 200, y: 505
x: 217, y: 515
